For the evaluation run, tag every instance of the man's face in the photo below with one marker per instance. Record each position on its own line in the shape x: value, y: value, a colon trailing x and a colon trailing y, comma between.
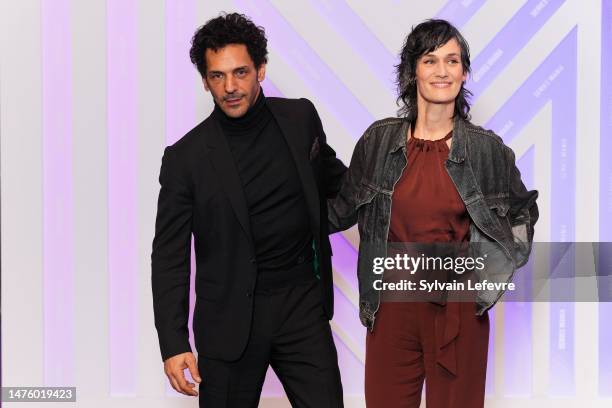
x: 232, y: 79
x: 439, y: 74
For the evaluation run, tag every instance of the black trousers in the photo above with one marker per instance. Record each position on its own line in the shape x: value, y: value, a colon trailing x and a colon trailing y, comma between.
x: 291, y: 333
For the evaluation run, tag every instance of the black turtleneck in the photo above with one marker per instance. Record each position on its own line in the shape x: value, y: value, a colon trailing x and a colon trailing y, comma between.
x: 273, y: 192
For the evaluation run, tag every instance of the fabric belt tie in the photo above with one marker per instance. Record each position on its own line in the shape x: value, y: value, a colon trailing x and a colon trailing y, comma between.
x: 447, y: 324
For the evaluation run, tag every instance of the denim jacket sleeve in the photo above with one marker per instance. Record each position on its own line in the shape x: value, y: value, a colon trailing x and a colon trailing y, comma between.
x: 342, y: 210
x: 523, y: 212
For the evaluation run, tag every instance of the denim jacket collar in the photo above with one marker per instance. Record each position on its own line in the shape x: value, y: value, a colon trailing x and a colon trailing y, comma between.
x: 399, y: 138
x: 457, y: 150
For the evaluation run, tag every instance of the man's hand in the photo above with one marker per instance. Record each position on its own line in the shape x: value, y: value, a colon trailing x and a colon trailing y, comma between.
x: 174, y: 366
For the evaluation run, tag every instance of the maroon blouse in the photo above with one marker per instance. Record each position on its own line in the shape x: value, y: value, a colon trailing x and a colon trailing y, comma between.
x: 426, y: 206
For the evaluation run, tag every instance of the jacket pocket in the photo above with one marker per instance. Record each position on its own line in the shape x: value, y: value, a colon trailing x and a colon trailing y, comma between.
x: 498, y: 211
x: 366, y: 194
x: 499, y: 205
x: 368, y: 191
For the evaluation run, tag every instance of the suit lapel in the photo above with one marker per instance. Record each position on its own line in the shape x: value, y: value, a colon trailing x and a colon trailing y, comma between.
x: 296, y: 139
x: 223, y: 163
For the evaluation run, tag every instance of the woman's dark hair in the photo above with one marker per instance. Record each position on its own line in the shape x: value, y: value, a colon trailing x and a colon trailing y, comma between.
x: 423, y: 39
x: 227, y: 29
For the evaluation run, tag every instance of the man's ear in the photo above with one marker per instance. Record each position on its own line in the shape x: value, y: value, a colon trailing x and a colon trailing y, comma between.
x: 261, y: 72
x: 205, y: 85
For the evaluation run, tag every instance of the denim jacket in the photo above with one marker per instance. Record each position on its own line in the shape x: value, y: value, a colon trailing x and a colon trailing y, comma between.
x: 502, y: 211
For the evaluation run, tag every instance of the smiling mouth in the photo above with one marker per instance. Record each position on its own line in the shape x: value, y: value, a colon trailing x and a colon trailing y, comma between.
x: 441, y: 84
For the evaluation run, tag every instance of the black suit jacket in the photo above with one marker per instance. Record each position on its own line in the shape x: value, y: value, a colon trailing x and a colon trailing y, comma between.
x: 201, y: 194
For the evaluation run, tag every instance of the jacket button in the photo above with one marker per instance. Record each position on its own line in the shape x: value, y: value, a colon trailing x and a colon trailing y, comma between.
x: 252, y: 260
x: 249, y: 294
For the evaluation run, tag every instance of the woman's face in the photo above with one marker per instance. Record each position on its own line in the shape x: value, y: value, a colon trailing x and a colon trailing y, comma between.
x: 439, y: 74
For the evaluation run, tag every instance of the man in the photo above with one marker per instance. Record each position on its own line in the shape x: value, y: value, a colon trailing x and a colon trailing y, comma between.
x: 250, y: 183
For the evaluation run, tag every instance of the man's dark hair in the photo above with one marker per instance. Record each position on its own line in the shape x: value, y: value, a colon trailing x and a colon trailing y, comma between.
x: 227, y: 29
x: 425, y: 38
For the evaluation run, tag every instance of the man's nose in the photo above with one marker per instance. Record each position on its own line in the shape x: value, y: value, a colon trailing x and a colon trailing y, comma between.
x: 230, y: 84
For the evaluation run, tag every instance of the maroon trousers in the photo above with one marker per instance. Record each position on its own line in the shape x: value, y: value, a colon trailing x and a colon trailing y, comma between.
x: 415, y: 342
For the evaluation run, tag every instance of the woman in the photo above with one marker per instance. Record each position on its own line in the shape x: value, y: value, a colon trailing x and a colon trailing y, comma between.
x: 431, y: 176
